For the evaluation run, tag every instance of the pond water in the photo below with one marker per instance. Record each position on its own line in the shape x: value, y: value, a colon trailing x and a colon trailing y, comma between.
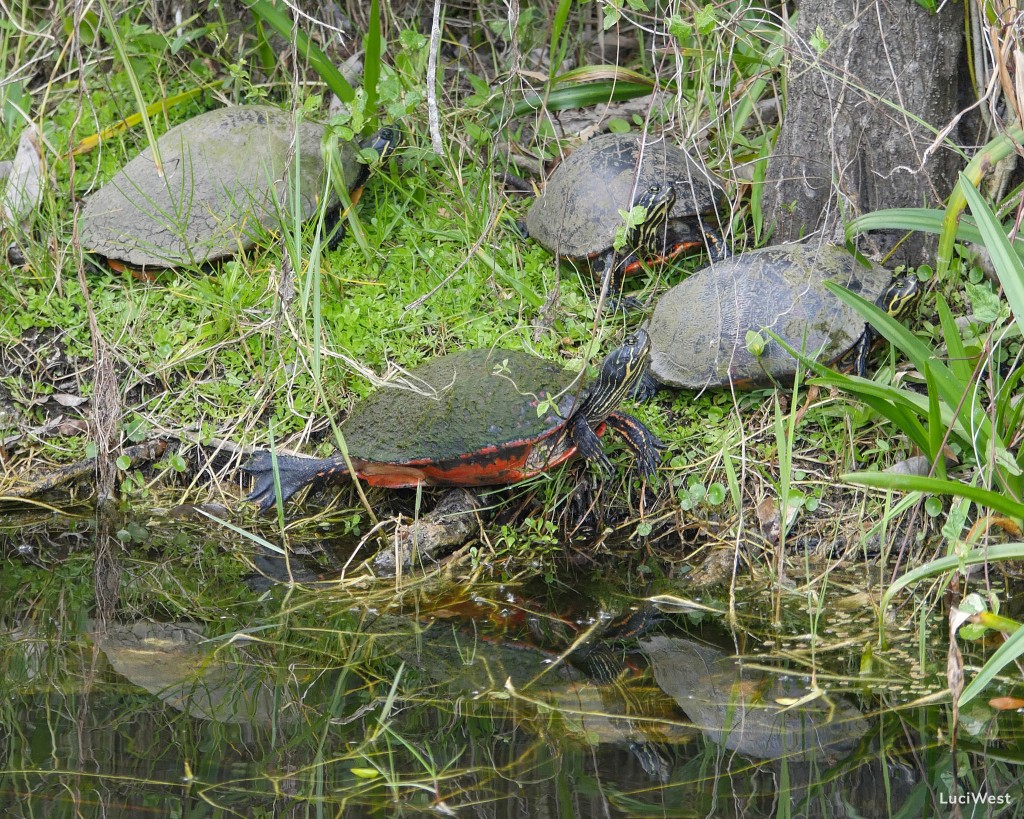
x: 161, y: 667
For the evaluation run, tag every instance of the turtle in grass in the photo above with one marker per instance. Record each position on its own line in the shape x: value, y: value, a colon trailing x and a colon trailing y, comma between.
x: 227, y: 179
x: 473, y: 421
x: 581, y: 208
x: 699, y: 327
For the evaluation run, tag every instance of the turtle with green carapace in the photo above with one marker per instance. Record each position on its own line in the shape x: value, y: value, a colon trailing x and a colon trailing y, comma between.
x: 476, y: 418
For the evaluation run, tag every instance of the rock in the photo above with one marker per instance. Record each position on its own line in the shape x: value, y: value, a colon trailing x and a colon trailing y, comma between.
x: 451, y: 523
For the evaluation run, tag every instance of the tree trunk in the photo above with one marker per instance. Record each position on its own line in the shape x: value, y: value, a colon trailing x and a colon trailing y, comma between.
x: 852, y: 139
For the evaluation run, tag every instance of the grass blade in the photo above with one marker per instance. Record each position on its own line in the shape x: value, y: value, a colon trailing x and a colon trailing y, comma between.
x: 954, y: 392
x: 133, y: 80
x: 559, y: 43
x: 959, y: 363
x: 975, y: 557
x: 1008, y: 265
x: 580, y: 96
x: 938, y: 486
x: 372, y: 49
x: 925, y: 220
x: 1008, y: 652
x: 321, y: 64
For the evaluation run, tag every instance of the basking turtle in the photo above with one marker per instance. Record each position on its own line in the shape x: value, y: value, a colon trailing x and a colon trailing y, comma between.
x: 473, y: 421
x: 699, y: 327
x: 226, y: 179
x: 579, y: 212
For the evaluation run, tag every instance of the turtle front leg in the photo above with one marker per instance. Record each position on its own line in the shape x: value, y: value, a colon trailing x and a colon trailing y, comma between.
x: 588, y: 442
x: 646, y: 387
x: 645, y: 445
x: 714, y: 241
x: 334, y: 229
x: 609, y: 269
x: 863, y: 349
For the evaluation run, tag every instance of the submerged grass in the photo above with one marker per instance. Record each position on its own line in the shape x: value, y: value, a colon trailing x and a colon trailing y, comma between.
x: 347, y: 696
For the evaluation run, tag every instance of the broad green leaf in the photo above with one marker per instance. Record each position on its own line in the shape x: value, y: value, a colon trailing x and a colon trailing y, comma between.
x: 1010, y: 651
x: 997, y: 501
x: 1008, y: 265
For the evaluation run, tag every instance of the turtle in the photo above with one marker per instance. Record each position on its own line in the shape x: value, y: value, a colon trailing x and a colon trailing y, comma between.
x: 226, y: 179
x: 699, y: 327
x: 580, y: 210
x: 476, y: 418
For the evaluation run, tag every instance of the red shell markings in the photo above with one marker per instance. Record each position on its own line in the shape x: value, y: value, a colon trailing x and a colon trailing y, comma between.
x: 487, y: 467
x: 472, y: 421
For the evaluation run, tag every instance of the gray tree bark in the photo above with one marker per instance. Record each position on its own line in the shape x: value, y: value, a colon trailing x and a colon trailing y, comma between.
x: 851, y: 141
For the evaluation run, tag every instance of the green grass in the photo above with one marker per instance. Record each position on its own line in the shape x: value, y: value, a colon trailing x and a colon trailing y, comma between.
x: 432, y: 264
x: 277, y: 344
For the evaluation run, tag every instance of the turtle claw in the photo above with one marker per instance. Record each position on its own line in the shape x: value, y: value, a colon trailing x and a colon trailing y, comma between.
x: 624, y: 304
x: 293, y: 474
x: 649, y: 462
x: 646, y: 446
x: 646, y: 388
x: 588, y: 444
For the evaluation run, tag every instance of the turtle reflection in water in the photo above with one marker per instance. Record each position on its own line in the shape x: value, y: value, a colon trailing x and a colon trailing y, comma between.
x: 178, y: 663
x: 474, y: 422
x: 742, y: 709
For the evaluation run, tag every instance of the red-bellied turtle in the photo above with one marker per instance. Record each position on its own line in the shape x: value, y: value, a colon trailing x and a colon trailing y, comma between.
x: 699, y: 327
x: 579, y: 212
x: 473, y: 421
x: 227, y: 178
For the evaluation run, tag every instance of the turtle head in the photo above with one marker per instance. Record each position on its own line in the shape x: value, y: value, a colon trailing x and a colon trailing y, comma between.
x: 620, y: 372
x: 901, y: 296
x: 657, y: 202
x: 384, y: 142
x: 899, y: 300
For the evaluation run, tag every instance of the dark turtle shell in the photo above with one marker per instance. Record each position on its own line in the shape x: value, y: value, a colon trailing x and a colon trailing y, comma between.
x: 460, y: 415
x: 226, y: 179
x: 699, y: 327
x: 579, y: 211
x: 471, y: 419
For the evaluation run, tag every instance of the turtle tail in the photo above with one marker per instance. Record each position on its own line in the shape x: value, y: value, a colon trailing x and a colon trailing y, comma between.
x: 293, y: 473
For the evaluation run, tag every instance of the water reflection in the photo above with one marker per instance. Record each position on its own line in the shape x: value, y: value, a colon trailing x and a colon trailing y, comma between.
x: 207, y: 692
x: 749, y: 710
x: 177, y: 664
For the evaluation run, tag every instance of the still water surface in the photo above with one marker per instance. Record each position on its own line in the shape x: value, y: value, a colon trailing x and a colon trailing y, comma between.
x: 176, y: 671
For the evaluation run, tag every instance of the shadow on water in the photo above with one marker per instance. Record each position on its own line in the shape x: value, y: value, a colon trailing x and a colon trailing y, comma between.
x: 156, y: 667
